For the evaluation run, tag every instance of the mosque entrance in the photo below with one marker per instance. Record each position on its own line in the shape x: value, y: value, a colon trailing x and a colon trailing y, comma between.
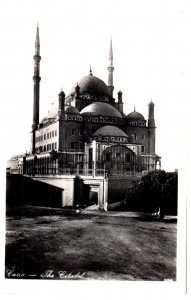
x: 93, y: 195
x: 118, y: 160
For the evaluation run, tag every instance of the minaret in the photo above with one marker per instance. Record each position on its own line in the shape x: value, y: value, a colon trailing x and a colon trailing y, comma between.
x: 151, y: 117
x: 61, y: 103
x: 36, y: 80
x: 151, y: 127
x: 120, y: 102
x: 110, y: 70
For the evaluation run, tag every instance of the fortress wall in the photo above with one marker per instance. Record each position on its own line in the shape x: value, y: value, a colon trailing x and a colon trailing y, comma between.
x: 67, y: 185
x: 117, y: 189
x: 62, y: 191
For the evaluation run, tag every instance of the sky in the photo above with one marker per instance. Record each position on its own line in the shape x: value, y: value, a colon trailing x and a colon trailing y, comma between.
x: 151, y: 59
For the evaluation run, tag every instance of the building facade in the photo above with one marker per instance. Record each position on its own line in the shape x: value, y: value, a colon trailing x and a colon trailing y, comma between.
x: 88, y: 132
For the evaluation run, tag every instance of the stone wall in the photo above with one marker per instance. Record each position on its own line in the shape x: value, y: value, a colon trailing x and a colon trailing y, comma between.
x: 71, y: 188
x: 22, y: 190
x: 117, y: 188
x: 67, y: 191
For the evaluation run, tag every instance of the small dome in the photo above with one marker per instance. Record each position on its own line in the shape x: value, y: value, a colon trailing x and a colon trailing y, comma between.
x: 71, y: 110
x: 61, y: 94
x: 93, y: 85
x: 109, y: 131
x: 51, y: 115
x: 135, y: 116
x: 151, y: 103
x: 101, y: 109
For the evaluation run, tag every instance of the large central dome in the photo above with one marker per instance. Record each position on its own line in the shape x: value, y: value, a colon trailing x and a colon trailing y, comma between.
x: 101, y: 109
x: 93, y: 85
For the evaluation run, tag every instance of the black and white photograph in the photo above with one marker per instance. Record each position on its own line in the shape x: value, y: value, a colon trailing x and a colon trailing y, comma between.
x: 95, y: 122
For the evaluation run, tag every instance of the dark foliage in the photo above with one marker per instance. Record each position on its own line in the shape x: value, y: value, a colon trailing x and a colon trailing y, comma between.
x: 157, y: 189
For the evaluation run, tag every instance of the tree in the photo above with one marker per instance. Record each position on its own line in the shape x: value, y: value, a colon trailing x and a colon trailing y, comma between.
x: 169, y: 193
x: 156, y: 191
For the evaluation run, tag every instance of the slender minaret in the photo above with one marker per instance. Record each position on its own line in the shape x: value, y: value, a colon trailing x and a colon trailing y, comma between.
x: 61, y: 103
x: 110, y: 70
x: 36, y: 80
x: 151, y: 127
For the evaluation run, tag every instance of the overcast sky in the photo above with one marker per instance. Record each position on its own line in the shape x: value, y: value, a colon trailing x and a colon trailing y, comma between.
x: 151, y: 59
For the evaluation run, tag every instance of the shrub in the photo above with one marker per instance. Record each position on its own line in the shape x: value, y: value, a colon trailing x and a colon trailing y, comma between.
x: 157, y: 189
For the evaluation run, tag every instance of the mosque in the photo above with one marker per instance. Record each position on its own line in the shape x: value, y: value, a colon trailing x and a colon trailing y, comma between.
x: 88, y: 131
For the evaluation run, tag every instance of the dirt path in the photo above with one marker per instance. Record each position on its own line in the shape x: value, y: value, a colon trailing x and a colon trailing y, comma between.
x: 58, y: 244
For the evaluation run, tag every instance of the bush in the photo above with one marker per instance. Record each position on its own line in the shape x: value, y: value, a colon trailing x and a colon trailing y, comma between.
x: 157, y: 189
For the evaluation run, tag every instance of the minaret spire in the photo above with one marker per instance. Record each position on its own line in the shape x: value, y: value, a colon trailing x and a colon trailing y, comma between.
x: 37, y: 41
x: 36, y: 80
x: 111, y: 52
x: 110, y: 69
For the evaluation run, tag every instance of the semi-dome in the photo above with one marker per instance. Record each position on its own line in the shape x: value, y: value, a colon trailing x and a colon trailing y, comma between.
x: 109, y: 130
x: 71, y: 110
x: 135, y: 116
x: 51, y: 115
x: 91, y: 84
x: 101, y: 109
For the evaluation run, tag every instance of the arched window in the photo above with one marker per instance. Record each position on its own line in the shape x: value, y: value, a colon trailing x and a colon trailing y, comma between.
x: 127, y: 157
x: 107, y: 156
x: 142, y: 149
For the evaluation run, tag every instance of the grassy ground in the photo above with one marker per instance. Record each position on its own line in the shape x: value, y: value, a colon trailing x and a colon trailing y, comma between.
x: 89, y: 245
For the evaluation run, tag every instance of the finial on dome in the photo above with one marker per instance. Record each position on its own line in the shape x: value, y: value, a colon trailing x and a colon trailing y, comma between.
x: 134, y: 109
x: 61, y: 93
x: 90, y: 70
x: 151, y: 102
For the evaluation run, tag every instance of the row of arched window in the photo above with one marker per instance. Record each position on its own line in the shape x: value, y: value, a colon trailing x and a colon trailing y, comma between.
x: 48, y: 147
x: 47, y: 135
